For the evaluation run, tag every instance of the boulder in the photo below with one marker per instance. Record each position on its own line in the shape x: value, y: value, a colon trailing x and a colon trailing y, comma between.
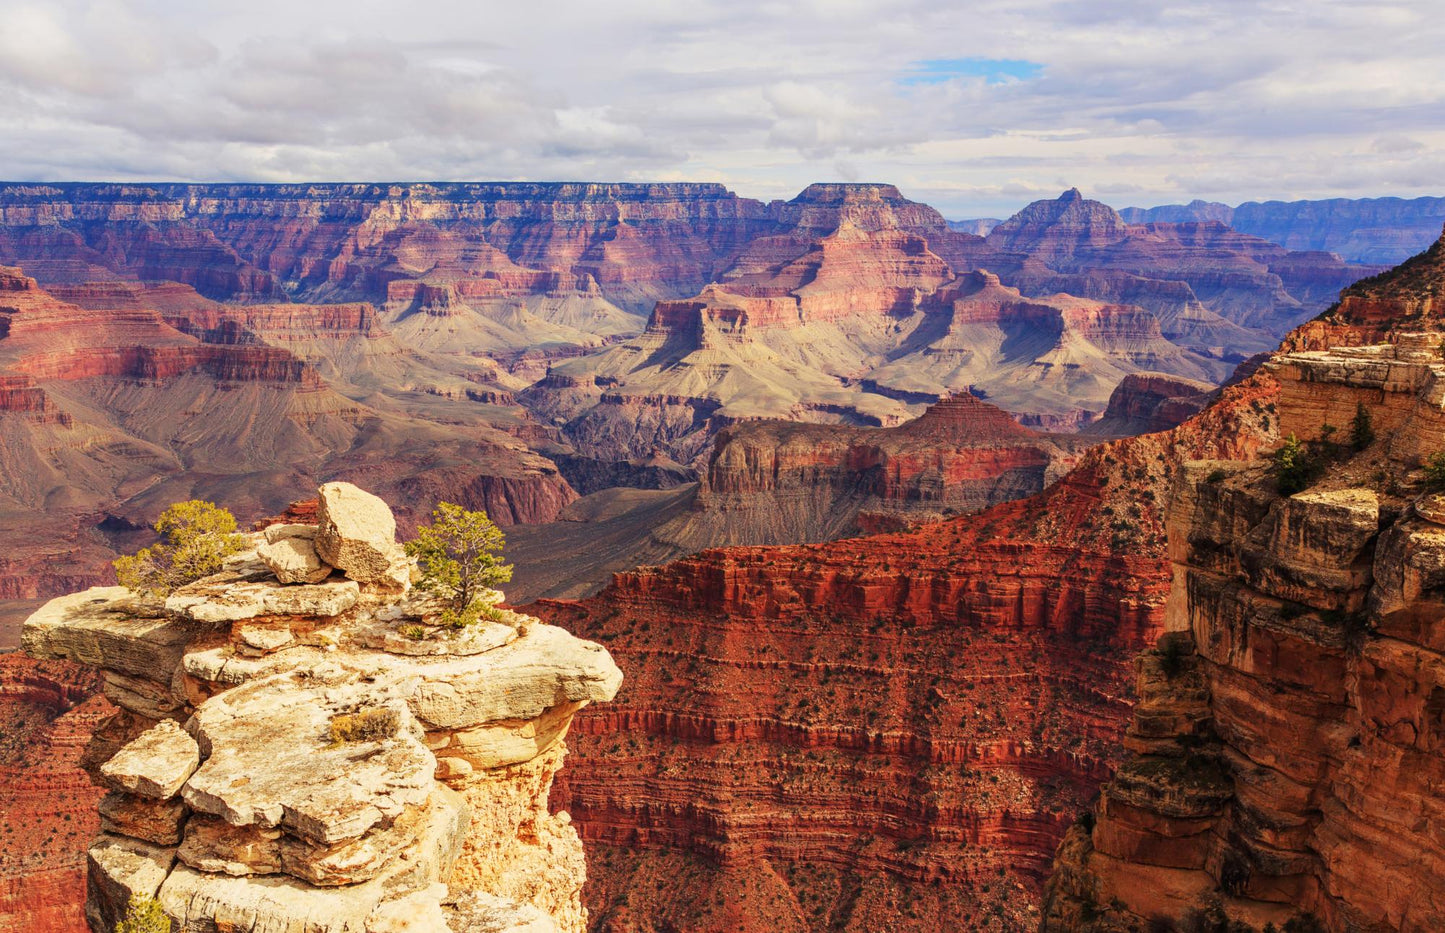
x: 294, y: 560
x: 156, y: 764
x: 356, y: 533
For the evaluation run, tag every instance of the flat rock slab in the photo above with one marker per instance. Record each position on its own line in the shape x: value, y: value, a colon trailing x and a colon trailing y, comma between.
x: 546, y: 667
x: 222, y: 599
x: 109, y: 628
x: 473, y: 639
x: 271, y: 761
x: 155, y: 764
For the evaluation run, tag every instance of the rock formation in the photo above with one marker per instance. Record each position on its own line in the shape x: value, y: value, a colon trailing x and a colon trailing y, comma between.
x: 1143, y: 403
x: 320, y: 755
x: 842, y: 736
x: 1287, y: 760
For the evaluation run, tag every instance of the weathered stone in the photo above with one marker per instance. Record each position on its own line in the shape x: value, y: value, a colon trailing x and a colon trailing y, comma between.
x: 210, y: 901
x: 511, y: 741
x: 271, y: 761
x: 217, y: 599
x: 109, y: 628
x: 476, y: 912
x: 212, y: 844
x: 473, y: 639
x: 280, y: 532
x: 146, y: 697
x: 364, y: 858
x: 357, y: 535
x: 155, y: 765
x: 265, y: 638
x: 294, y: 560
x: 154, y: 821
x: 516, y: 682
x: 119, y: 868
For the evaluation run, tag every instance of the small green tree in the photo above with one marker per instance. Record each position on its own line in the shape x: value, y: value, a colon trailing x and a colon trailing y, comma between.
x: 1294, y: 467
x: 460, y: 556
x: 196, y: 539
x: 144, y: 915
x: 1362, y: 428
x: 1435, y: 470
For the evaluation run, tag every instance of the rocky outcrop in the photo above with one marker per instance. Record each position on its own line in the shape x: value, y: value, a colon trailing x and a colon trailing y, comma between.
x: 1143, y: 403
x: 324, y: 754
x: 48, y: 710
x: 1287, y: 735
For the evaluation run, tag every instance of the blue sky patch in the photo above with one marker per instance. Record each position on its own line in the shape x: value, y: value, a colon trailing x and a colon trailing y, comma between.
x: 992, y: 70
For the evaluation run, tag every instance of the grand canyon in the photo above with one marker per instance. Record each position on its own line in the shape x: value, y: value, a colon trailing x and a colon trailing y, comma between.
x: 947, y: 575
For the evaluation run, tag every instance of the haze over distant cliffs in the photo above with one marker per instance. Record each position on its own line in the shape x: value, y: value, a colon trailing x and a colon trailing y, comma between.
x: 1377, y: 230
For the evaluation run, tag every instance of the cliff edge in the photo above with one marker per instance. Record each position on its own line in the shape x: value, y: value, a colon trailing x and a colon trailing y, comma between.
x: 311, y: 756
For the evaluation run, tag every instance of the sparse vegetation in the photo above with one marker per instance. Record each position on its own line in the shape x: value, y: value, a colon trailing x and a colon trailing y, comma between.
x: 416, y: 632
x: 460, y: 556
x: 365, y: 725
x: 1295, y: 467
x: 1362, y: 428
x: 1215, y: 476
x: 196, y: 539
x: 1435, y: 470
x: 1173, y: 653
x: 144, y: 915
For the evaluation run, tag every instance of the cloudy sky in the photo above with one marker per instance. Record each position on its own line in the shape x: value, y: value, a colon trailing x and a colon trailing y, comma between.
x: 974, y: 107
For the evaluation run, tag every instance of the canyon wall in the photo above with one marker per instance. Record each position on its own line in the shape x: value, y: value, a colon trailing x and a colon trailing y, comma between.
x: 1287, y: 762
x: 841, y: 736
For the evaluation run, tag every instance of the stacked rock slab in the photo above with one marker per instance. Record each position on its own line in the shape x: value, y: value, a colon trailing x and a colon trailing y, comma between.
x: 1290, y: 734
x: 315, y: 756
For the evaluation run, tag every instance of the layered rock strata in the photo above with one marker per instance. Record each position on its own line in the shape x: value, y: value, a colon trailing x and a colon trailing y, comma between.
x: 843, y: 736
x: 1288, y: 740
x: 320, y: 755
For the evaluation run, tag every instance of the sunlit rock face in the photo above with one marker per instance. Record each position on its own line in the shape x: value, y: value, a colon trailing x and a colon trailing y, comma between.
x: 314, y: 755
x: 1288, y: 754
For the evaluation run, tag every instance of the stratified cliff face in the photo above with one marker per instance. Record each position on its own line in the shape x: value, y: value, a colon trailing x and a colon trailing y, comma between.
x: 1211, y: 286
x: 845, y: 736
x: 774, y: 482
x: 1143, y: 403
x: 1288, y: 739
x: 110, y: 411
x: 636, y: 242
x: 48, y: 710
x: 1373, y: 230
x: 301, y: 744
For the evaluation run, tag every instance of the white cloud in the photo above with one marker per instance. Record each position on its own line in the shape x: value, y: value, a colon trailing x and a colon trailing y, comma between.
x: 1132, y: 99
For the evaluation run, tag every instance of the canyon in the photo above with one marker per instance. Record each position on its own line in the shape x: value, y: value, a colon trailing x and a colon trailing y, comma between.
x: 894, y: 729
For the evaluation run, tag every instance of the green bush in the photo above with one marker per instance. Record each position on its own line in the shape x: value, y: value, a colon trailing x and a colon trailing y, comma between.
x: 1435, y: 470
x: 1295, y: 467
x: 196, y: 539
x: 144, y: 915
x: 1362, y: 428
x: 460, y: 556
